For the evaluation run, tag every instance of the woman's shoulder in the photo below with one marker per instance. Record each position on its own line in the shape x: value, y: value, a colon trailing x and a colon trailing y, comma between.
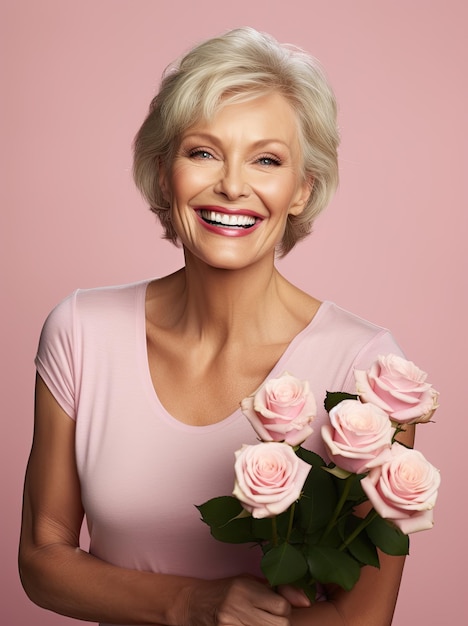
x: 96, y: 298
x: 335, y: 328
x: 334, y: 344
x: 111, y: 295
x: 335, y: 319
x: 95, y: 307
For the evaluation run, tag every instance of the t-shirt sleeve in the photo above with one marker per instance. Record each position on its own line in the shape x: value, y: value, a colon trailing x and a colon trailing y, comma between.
x: 382, y: 343
x: 55, y: 361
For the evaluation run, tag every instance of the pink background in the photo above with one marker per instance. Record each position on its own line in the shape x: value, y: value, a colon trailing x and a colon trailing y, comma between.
x: 77, y: 79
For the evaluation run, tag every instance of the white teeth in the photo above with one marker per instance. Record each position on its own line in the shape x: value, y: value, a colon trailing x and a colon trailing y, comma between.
x: 227, y: 220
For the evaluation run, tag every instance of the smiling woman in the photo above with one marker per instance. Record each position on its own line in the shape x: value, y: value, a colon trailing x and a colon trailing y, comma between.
x: 241, y: 66
x: 239, y: 175
x: 138, y: 390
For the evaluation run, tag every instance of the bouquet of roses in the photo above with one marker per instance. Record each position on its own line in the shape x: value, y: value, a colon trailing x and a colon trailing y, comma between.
x: 300, y: 510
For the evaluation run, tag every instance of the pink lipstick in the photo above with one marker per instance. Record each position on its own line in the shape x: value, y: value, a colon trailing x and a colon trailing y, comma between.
x: 228, y: 223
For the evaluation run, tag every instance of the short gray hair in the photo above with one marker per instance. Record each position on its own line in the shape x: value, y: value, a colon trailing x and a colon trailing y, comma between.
x: 240, y: 65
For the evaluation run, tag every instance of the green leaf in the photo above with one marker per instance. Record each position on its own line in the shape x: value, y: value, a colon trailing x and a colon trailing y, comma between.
x: 335, y: 397
x: 310, y: 457
x: 296, y: 536
x: 261, y: 528
x: 356, y: 493
x: 283, y: 564
x: 364, y: 551
x: 361, y: 548
x: 332, y: 539
x: 236, y: 531
x: 282, y: 523
x: 219, y: 511
x: 228, y: 521
x: 329, y: 565
x: 318, y: 500
x: 387, y: 537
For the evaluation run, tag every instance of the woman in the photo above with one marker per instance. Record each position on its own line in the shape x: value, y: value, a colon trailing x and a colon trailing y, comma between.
x: 138, y: 387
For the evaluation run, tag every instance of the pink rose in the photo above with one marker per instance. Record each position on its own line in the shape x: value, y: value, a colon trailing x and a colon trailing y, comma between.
x: 269, y: 478
x: 398, y: 387
x: 404, y: 489
x: 281, y: 410
x: 358, y: 435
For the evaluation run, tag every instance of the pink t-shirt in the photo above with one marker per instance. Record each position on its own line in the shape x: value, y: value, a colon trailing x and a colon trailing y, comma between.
x: 142, y: 472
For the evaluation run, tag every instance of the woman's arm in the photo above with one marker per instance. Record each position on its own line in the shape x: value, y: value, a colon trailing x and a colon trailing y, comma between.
x: 57, y: 575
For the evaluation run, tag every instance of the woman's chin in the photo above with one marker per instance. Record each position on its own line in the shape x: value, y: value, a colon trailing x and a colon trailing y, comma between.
x: 224, y: 258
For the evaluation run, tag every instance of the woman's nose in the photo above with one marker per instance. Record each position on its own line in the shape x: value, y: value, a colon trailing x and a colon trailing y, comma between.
x: 232, y: 183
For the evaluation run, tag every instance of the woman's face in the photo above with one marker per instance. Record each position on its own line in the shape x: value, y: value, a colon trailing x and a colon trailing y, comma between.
x: 235, y: 179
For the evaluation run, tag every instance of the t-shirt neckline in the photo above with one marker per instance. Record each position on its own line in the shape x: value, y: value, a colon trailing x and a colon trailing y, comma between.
x: 277, y: 369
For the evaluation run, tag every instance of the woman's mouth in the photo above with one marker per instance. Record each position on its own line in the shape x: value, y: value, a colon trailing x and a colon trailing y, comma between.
x: 229, y: 220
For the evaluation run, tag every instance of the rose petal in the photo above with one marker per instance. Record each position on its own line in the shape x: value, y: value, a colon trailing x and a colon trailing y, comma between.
x: 282, y: 409
x: 269, y: 478
x: 357, y: 435
x: 399, y: 387
x: 404, y: 489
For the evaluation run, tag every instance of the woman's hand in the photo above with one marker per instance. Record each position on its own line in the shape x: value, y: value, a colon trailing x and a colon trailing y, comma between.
x: 240, y: 601
x: 296, y: 597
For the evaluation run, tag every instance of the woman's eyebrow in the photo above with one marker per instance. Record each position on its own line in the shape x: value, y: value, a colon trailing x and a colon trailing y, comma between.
x: 256, y: 144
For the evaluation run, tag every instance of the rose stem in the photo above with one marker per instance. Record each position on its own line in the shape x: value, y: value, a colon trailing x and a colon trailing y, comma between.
x: 339, y: 506
x: 365, y: 522
x: 291, y: 520
x: 274, y: 531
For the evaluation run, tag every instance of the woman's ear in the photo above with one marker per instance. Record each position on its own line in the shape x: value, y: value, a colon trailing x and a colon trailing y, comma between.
x: 303, y: 195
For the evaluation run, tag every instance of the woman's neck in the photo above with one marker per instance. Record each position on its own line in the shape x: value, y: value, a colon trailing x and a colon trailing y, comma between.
x: 234, y: 305
x: 229, y: 300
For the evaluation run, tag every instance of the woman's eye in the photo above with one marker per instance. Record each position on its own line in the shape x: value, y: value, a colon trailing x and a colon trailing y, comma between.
x: 268, y: 160
x: 200, y: 154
